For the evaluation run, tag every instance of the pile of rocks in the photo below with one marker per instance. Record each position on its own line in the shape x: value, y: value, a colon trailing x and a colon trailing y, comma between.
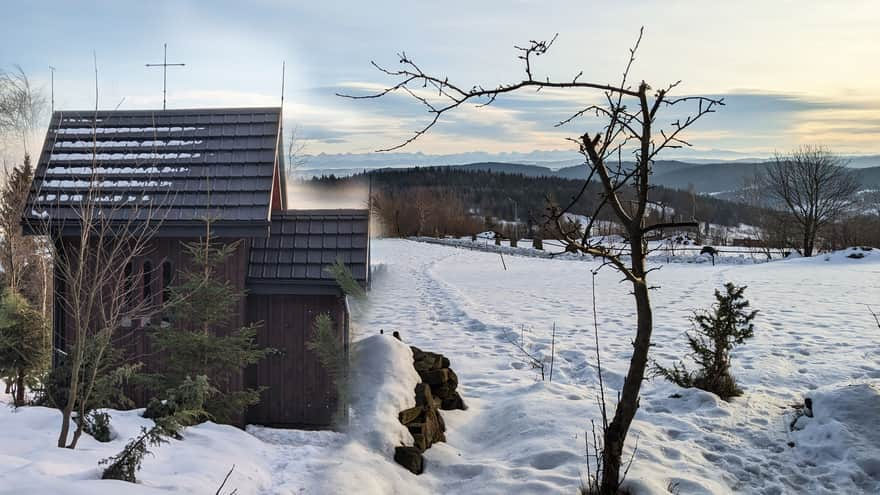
x: 436, y: 391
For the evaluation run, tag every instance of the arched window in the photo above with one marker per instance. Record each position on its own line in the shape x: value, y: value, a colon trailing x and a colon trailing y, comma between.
x: 167, y: 279
x: 148, y: 283
x: 128, y: 287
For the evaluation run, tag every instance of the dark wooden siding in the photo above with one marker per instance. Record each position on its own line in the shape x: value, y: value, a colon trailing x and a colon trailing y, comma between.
x: 135, y: 340
x: 298, y: 391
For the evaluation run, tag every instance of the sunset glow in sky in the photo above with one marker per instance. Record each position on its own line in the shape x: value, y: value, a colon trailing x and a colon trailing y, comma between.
x: 792, y: 72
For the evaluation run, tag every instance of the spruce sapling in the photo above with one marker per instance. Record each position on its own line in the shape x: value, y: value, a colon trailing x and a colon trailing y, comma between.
x: 716, y: 332
x: 200, y: 342
x: 189, y: 399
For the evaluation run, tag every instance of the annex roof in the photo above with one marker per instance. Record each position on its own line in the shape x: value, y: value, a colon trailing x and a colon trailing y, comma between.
x: 177, y: 166
x: 303, y: 243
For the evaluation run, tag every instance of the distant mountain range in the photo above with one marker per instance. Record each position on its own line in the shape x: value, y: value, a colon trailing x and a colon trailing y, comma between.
x: 720, y: 178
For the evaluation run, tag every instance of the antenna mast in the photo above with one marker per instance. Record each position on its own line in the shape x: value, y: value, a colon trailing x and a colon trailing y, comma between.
x: 282, y: 86
x: 52, y: 84
x: 164, y: 65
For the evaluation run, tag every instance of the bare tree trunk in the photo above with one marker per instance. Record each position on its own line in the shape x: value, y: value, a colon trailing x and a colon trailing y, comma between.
x: 71, y: 402
x: 19, y: 389
x: 808, y: 241
x: 615, y: 434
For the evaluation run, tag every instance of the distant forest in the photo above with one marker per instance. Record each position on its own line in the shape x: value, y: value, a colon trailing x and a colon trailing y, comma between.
x: 452, y: 201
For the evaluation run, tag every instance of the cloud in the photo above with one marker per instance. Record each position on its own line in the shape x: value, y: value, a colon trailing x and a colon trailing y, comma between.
x: 750, y: 121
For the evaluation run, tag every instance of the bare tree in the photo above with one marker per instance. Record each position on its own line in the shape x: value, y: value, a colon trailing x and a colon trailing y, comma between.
x: 626, y: 121
x: 101, y: 303
x: 22, y: 106
x: 772, y: 229
x: 97, y: 236
x: 296, y: 149
x: 814, y: 186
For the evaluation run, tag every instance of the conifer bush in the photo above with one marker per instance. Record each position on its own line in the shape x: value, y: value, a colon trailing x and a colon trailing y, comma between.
x: 97, y: 424
x: 325, y: 343
x: 189, y: 400
x: 716, y: 333
x: 23, y: 351
x: 108, y: 390
x: 202, y: 341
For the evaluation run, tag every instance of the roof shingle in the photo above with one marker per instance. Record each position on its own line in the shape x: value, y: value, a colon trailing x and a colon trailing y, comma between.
x: 303, y: 243
x: 181, y: 165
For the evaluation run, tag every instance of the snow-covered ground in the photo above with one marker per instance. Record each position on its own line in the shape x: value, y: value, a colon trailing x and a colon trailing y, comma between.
x: 522, y: 435
x: 814, y: 337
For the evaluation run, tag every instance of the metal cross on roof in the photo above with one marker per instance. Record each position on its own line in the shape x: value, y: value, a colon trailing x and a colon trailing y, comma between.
x: 164, y: 65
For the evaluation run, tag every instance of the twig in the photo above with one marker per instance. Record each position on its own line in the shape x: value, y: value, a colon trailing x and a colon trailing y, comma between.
x: 602, y: 406
x: 220, y: 488
x: 552, y: 349
x: 527, y: 357
x: 876, y: 318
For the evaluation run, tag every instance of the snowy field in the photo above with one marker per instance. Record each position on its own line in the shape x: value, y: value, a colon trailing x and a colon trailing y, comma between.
x: 814, y: 337
x: 523, y: 435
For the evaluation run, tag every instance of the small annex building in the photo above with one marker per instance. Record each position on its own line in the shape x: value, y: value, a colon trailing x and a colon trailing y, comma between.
x: 227, y: 165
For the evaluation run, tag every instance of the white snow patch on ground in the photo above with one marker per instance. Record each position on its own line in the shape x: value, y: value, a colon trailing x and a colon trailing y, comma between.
x: 31, y: 463
x: 522, y: 435
x: 814, y: 338
x: 840, y: 445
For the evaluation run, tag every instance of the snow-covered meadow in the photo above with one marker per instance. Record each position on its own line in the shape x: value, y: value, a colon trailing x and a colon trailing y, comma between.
x: 524, y: 435
x: 814, y: 337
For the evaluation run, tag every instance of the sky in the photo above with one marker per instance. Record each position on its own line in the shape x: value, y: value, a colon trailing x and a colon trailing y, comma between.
x: 791, y: 72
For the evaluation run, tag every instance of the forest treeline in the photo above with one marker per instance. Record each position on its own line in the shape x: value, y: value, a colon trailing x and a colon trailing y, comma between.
x: 451, y: 201
x: 440, y: 201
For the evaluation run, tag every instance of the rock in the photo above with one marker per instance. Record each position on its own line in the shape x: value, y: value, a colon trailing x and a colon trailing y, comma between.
x: 435, y: 377
x: 441, y: 422
x: 424, y: 422
x: 453, y: 379
x: 428, y: 361
x: 421, y: 442
x: 410, y: 415
x: 410, y: 458
x: 454, y: 401
x: 424, y: 397
x: 443, y: 390
x: 416, y: 428
x: 433, y: 429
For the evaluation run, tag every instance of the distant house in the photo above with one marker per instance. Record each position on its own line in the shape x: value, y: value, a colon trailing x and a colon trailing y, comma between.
x: 225, y: 164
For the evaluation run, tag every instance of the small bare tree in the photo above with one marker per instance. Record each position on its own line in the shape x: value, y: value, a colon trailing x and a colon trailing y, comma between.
x: 814, y: 186
x: 97, y: 236
x: 100, y: 301
x: 619, y: 156
x: 22, y: 106
x: 296, y: 149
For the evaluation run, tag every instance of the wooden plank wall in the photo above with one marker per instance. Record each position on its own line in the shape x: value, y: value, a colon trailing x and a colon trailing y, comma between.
x: 136, y: 340
x: 299, y: 392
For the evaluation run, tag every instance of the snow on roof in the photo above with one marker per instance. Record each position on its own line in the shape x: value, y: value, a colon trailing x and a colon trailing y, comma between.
x: 188, y: 163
